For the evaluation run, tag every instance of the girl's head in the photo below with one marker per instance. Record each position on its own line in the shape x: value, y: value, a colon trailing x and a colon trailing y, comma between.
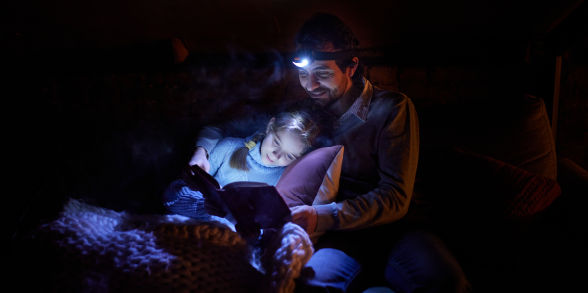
x: 288, y: 136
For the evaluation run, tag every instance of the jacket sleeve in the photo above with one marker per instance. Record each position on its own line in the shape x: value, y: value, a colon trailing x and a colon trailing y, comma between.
x: 397, y: 156
x: 208, y: 137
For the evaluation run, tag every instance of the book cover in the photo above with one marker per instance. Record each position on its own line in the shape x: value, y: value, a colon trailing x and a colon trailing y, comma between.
x: 252, y: 204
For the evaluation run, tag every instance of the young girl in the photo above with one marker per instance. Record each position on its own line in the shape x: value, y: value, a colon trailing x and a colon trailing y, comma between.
x: 262, y: 157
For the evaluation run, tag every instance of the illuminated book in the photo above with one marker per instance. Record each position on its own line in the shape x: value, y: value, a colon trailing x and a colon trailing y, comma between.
x: 252, y: 204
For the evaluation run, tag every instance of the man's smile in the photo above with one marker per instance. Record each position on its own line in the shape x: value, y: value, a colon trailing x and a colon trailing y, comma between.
x: 317, y: 94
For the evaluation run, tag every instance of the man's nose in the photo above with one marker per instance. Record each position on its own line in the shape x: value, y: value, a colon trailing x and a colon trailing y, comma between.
x: 312, y: 83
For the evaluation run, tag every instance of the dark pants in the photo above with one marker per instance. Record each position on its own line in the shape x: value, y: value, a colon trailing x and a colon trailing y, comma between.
x: 414, y: 261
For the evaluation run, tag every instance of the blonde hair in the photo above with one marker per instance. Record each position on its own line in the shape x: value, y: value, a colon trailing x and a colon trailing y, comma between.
x: 297, y: 122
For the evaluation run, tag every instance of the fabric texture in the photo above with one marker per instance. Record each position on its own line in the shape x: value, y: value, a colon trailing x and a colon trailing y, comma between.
x: 220, y: 168
x: 482, y: 187
x: 520, y: 136
x: 425, y: 251
x: 523, y: 193
x: 314, y: 178
x: 180, y: 199
x: 512, y: 129
x: 101, y: 250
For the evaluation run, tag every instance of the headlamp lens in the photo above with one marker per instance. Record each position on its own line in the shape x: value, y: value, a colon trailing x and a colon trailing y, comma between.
x: 300, y: 61
x: 305, y: 57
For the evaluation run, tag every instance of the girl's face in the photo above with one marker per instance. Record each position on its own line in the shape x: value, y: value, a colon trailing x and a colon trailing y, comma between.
x: 281, y: 148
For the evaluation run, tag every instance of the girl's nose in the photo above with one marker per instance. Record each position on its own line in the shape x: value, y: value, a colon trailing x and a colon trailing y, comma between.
x: 277, y: 154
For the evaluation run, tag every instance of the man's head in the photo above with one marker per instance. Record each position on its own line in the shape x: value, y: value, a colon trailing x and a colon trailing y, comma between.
x: 333, y: 65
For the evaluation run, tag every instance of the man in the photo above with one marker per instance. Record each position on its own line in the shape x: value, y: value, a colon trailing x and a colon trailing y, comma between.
x: 379, y: 130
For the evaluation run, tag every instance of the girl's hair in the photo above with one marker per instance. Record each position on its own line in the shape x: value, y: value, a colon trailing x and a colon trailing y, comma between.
x: 298, y: 122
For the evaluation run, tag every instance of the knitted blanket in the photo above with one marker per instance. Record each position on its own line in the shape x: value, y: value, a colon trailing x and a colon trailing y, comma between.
x: 102, y: 250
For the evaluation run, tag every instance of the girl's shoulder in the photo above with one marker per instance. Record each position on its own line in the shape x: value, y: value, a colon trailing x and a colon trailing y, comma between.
x: 231, y: 139
x: 230, y: 143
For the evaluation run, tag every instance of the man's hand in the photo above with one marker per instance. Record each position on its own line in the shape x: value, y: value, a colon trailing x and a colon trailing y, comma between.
x: 305, y: 217
x: 200, y: 159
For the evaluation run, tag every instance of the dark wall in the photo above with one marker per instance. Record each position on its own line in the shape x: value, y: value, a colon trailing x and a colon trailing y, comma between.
x: 102, y: 112
x: 271, y: 23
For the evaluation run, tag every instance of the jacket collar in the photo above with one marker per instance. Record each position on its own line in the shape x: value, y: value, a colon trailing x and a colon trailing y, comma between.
x: 360, y: 106
x: 358, y: 112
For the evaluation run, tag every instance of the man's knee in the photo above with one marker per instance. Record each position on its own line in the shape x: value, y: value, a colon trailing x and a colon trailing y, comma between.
x: 421, y: 261
x: 329, y: 270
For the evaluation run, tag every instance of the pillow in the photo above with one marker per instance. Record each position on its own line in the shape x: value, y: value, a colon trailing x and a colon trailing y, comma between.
x: 313, y: 178
x: 515, y: 130
x: 520, y: 135
x: 480, y: 186
x: 519, y: 192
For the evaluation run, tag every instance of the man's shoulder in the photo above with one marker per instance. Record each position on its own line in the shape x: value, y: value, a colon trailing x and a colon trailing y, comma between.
x: 392, y: 97
x: 392, y: 101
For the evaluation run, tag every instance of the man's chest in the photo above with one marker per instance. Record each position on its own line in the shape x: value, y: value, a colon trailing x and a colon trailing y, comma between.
x: 361, y: 149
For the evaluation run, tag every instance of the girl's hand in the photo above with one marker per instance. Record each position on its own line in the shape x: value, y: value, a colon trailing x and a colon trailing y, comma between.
x: 200, y: 159
x: 305, y: 217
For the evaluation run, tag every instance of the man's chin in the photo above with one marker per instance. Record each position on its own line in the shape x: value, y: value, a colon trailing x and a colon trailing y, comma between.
x: 320, y: 99
x: 320, y: 102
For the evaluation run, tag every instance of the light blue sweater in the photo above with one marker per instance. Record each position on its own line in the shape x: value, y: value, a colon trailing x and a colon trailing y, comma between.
x: 220, y: 168
x: 180, y: 199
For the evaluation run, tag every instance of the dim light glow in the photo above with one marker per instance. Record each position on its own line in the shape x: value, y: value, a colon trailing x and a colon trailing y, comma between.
x: 300, y: 62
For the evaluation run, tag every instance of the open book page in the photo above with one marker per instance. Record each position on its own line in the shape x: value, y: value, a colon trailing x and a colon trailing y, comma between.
x: 250, y: 203
x: 257, y: 202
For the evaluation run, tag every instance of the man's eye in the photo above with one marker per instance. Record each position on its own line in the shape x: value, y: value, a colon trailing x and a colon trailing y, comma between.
x: 302, y: 73
x: 324, y: 74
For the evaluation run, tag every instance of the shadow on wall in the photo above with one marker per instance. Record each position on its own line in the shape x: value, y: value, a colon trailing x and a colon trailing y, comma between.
x: 116, y: 134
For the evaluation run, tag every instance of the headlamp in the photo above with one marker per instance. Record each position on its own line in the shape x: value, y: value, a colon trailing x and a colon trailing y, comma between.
x: 305, y: 57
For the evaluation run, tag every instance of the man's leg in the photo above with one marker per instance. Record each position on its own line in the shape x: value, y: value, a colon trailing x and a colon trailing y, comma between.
x: 328, y: 270
x: 420, y: 262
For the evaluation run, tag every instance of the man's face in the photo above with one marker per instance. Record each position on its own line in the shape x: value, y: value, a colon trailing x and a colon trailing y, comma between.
x: 324, y: 81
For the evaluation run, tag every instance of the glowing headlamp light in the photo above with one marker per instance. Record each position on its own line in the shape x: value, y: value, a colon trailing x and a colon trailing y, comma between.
x: 300, y: 61
x: 304, y: 58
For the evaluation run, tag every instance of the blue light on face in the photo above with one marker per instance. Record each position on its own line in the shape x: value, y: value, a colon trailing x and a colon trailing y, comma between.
x: 300, y: 62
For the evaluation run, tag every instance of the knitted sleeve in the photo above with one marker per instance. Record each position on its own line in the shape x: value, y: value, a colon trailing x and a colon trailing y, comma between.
x: 221, y: 153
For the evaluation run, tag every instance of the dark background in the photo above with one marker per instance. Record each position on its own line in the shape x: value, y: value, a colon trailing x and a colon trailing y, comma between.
x: 98, y: 108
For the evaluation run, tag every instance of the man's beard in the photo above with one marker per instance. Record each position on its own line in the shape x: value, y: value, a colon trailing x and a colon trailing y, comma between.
x: 332, y: 95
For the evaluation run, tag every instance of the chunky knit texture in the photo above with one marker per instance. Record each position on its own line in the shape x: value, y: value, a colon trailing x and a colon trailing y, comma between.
x: 101, y: 250
x: 287, y: 252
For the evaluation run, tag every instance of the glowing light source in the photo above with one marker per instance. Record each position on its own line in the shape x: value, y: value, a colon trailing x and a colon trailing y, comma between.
x: 300, y: 62
x: 303, y: 58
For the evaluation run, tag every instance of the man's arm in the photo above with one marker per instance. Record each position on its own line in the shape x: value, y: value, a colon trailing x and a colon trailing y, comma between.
x: 398, y: 151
